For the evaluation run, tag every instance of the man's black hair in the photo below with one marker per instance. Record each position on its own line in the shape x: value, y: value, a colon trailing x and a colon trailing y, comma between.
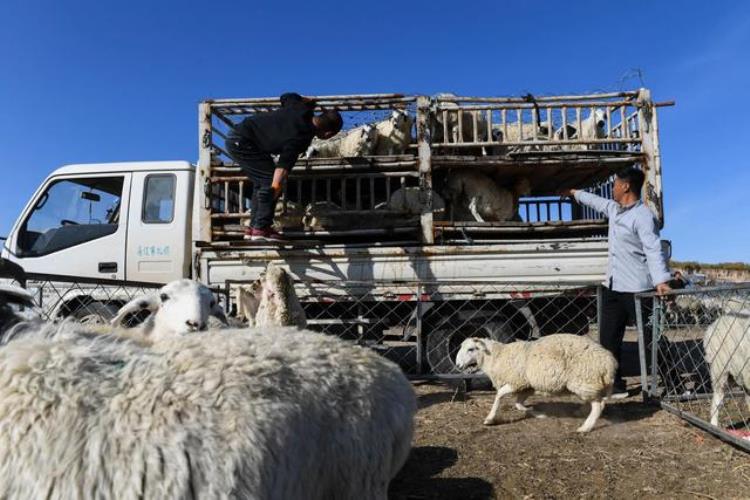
x: 330, y: 121
x: 634, y: 178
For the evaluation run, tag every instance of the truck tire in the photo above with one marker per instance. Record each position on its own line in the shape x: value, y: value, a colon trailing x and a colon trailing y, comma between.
x: 96, y: 313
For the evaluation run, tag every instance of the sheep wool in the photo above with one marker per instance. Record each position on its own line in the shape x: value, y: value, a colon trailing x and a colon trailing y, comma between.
x: 554, y: 364
x: 255, y: 414
x: 727, y: 347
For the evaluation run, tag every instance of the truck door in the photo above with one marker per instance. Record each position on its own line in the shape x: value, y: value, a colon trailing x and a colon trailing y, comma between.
x: 157, y: 248
x: 76, y: 226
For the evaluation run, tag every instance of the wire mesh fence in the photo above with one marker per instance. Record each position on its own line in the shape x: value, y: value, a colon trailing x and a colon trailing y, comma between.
x: 695, y: 357
x: 421, y: 326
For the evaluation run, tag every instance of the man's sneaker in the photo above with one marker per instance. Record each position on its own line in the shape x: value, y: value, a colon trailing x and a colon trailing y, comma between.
x: 266, y: 234
x: 619, y: 391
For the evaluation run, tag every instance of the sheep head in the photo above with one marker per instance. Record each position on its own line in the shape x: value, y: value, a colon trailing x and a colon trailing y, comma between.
x: 471, y: 355
x: 180, y: 307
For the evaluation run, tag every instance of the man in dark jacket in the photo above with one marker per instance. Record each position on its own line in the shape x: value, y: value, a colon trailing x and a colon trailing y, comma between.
x: 287, y: 132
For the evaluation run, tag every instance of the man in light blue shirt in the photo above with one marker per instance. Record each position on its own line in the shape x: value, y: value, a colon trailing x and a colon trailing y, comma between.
x: 635, y: 263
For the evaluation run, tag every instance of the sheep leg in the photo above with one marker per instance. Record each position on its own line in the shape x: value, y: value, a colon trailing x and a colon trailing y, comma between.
x: 717, y: 399
x: 474, y: 210
x: 521, y: 398
x: 596, y: 410
x: 492, y: 416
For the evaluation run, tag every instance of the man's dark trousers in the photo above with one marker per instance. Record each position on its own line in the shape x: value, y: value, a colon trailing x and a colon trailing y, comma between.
x: 259, y: 167
x: 618, y: 310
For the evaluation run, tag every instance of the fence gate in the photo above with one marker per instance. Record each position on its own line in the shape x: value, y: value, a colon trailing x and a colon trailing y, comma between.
x: 695, y: 357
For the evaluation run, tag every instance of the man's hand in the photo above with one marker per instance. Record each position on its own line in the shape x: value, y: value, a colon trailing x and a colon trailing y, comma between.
x: 277, y: 184
x: 662, y: 289
x: 567, y: 192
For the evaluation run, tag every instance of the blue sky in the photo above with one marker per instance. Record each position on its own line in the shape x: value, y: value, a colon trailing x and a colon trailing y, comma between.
x: 98, y: 81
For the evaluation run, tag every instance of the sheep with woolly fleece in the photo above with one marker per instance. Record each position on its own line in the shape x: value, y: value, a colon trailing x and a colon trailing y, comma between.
x: 727, y: 350
x: 410, y: 200
x: 447, y: 118
x: 270, y: 300
x: 594, y: 126
x: 178, y: 308
x: 394, y: 134
x: 473, y: 195
x: 553, y: 364
x: 278, y: 413
x: 355, y: 142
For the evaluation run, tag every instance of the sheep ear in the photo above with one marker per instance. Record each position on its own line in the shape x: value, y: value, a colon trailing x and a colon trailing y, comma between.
x: 218, y: 312
x: 150, y: 303
x: 482, y: 343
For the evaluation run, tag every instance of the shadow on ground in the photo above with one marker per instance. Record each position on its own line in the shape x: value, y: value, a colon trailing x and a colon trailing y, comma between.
x: 416, y: 479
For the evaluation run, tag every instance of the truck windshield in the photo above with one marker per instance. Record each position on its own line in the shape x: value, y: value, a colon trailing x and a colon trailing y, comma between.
x: 70, y: 212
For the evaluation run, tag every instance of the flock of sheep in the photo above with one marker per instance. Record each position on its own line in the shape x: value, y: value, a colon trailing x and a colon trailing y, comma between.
x: 176, y: 407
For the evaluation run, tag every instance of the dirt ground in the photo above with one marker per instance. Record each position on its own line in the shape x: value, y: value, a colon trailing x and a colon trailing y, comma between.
x: 635, y: 451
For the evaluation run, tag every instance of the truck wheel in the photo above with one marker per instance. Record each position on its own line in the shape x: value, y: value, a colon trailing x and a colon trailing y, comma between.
x: 96, y: 313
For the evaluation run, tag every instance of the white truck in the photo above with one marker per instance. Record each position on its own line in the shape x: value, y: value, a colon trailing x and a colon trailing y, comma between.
x: 362, y: 268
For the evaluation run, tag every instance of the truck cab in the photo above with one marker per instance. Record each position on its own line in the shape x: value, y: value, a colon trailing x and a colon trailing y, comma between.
x: 112, y: 221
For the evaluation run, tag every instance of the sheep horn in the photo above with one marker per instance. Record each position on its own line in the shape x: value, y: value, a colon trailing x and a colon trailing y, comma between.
x: 149, y: 302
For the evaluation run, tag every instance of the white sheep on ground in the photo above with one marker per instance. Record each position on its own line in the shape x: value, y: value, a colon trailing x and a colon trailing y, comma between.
x: 554, y: 364
x: 394, y: 134
x: 277, y: 413
x: 727, y: 348
x: 475, y: 196
x: 355, y: 142
x: 270, y: 300
x: 178, y: 308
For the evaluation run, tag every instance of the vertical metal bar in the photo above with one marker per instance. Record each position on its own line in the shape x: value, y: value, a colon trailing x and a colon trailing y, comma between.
x: 641, y: 346
x: 578, y: 124
x: 388, y: 187
x: 372, y: 192
x: 519, y: 117
x: 460, y: 116
x: 201, y: 230
x: 565, y: 123
x: 420, y: 313
x: 226, y: 197
x: 358, y: 195
x: 649, y: 134
x: 549, y: 123
x: 242, y: 196
x: 503, y: 117
x: 624, y: 122
x: 609, y: 121
x: 655, y: 337
x: 489, y: 125
x: 424, y: 153
x: 475, y: 124
x: 445, y: 126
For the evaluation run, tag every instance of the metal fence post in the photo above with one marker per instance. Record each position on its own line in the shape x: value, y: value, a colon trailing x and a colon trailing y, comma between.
x: 655, y: 336
x: 645, y: 388
x: 420, y: 311
x: 599, y: 297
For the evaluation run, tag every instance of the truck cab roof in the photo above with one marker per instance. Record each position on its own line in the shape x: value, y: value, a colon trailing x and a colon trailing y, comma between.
x: 130, y: 166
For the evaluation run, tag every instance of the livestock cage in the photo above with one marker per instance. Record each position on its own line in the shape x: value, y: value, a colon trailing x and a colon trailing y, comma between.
x: 418, y: 325
x: 544, y: 144
x: 695, y: 357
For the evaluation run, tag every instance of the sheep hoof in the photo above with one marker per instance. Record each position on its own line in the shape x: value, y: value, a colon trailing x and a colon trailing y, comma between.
x: 490, y: 421
x: 537, y: 414
x: 521, y: 407
x: 582, y: 429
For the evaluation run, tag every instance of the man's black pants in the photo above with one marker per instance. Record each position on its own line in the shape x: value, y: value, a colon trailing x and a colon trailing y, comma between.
x: 618, y: 310
x: 259, y: 168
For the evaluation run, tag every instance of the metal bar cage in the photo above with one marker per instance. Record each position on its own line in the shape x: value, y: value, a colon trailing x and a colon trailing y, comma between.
x: 695, y: 357
x: 568, y: 141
